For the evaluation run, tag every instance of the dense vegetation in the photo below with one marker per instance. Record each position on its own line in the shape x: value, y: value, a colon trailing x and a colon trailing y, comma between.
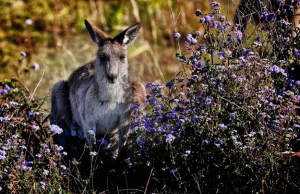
x: 227, y: 122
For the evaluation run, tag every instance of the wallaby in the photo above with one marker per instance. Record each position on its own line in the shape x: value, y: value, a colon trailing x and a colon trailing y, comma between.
x: 254, y: 8
x: 98, y: 95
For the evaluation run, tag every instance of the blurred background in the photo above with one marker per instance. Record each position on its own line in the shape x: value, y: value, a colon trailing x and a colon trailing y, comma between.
x: 53, y: 36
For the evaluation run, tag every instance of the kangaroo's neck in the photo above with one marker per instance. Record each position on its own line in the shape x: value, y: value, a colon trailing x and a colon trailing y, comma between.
x: 107, y: 91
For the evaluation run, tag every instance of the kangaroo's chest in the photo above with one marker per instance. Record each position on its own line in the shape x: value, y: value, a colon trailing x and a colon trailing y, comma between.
x: 104, y: 112
x: 107, y: 117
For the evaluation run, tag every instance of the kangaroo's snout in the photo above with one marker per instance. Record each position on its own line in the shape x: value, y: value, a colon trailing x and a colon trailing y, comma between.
x: 112, y: 73
x: 112, y: 77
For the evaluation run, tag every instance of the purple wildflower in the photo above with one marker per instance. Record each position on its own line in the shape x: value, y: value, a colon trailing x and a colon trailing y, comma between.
x: 28, y: 22
x: 55, y: 129
x: 5, y: 90
x: 172, y: 171
x: 215, y: 24
x: 258, y: 39
x: 208, y: 101
x: 169, y: 138
x: 198, y: 12
x: 23, y: 53
x: 177, y: 36
x: 275, y: 69
x: 271, y: 17
x: 222, y: 18
x: 35, y: 66
x: 214, y: 4
x: 148, y: 85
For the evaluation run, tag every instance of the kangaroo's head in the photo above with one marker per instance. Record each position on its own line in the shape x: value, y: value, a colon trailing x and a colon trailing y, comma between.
x: 111, y: 59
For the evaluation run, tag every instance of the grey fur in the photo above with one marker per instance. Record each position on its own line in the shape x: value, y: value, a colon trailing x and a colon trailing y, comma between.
x: 100, y: 93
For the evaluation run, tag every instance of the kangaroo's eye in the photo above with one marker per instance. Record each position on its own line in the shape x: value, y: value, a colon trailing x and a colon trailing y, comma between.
x: 122, y: 58
x: 102, y: 57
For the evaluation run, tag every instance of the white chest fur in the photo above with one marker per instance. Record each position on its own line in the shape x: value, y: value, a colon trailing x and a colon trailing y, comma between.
x: 103, y: 111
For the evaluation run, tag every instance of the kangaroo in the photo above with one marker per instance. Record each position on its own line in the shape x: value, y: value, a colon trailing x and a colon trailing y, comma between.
x: 254, y: 8
x: 98, y: 95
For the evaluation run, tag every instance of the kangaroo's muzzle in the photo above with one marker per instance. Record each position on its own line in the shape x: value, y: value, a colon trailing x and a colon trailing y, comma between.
x: 111, y: 73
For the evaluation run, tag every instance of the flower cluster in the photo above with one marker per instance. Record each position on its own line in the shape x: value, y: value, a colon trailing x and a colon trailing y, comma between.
x: 222, y: 117
x: 26, y: 146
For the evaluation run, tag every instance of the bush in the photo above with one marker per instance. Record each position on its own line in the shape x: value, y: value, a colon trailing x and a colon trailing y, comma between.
x: 29, y: 160
x: 223, y: 124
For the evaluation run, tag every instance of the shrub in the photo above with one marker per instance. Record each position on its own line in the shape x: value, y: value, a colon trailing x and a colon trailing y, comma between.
x: 223, y: 124
x: 29, y: 160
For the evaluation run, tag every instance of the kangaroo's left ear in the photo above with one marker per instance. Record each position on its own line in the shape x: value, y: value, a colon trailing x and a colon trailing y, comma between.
x: 129, y: 35
x: 96, y: 34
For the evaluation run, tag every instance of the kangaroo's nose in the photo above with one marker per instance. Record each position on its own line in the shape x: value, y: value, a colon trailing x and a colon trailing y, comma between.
x: 112, y: 77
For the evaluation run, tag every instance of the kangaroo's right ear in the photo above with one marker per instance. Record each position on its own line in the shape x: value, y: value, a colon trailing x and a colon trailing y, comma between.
x: 96, y: 34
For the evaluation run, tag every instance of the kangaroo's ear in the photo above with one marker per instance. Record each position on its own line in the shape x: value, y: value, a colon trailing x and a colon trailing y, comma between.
x: 129, y: 35
x: 96, y: 34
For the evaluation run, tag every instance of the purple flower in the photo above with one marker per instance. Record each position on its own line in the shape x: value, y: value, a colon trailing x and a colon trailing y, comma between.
x: 170, y: 84
x: 193, y: 41
x: 140, y: 141
x: 5, y: 90
x: 172, y: 115
x: 275, y: 69
x: 208, y: 101
x: 23, y: 53
x: 222, y: 126
x: 190, y: 39
x: 296, y: 52
x: 29, y: 163
x: 59, y: 148
x: 205, y: 141
x: 172, y: 171
x: 201, y: 48
x: 177, y: 36
x: 103, y: 142
x: 35, y: 127
x: 214, y: 4
x: 258, y: 39
x: 180, y: 79
x: 151, y: 101
x: 63, y: 167
x: 43, y: 185
x: 214, y: 24
x: 202, y: 20
x: 239, y: 35
x: 169, y: 138
x: 35, y: 66
x: 148, y: 85
x: 196, y: 118
x: 198, y: 12
x: 135, y: 106
x: 55, y: 129
x: 232, y: 115
x: 208, y: 18
x: 28, y: 22
x: 45, y: 172
x: 263, y: 16
x: 222, y: 18
x: 271, y: 17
